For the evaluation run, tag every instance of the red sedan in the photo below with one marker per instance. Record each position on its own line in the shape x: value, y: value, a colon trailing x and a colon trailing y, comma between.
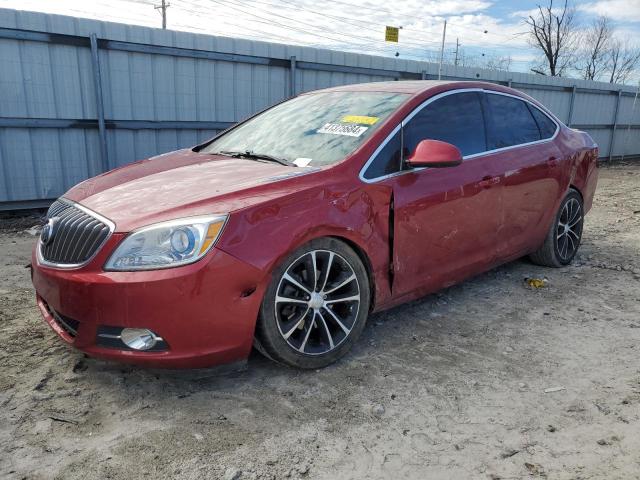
x: 287, y: 230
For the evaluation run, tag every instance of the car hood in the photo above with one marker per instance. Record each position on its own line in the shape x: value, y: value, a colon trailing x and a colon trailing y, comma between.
x: 182, y: 183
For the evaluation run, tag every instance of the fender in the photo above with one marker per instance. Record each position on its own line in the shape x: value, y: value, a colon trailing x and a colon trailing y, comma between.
x: 584, y: 169
x: 255, y: 235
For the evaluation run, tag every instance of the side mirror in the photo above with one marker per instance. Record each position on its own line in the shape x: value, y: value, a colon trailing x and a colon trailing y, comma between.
x: 436, y: 154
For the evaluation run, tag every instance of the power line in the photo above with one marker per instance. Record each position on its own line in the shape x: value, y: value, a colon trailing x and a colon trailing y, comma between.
x: 392, y: 13
x: 417, y: 46
x: 314, y: 26
x: 287, y: 40
x: 234, y: 6
x: 325, y: 33
x: 347, y: 20
x: 243, y: 28
x: 415, y: 51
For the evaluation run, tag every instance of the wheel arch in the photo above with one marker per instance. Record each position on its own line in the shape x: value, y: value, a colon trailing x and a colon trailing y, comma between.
x: 353, y: 217
x: 345, y: 238
x: 573, y: 186
x: 269, y: 338
x: 364, y: 257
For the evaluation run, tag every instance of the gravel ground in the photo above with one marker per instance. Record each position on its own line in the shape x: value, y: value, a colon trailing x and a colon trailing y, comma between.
x: 487, y: 379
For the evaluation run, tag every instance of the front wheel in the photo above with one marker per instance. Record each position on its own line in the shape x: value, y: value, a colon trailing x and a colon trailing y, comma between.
x: 563, y: 239
x: 316, y: 305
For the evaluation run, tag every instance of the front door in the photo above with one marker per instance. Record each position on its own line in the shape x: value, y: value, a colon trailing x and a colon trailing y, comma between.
x: 445, y: 219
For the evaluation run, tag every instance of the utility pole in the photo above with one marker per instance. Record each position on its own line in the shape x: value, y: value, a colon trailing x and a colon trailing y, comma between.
x: 457, y: 47
x: 444, y: 34
x: 163, y: 7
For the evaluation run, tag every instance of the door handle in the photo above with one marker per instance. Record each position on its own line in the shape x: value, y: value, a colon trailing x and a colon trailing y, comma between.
x: 488, y: 182
x: 552, y: 161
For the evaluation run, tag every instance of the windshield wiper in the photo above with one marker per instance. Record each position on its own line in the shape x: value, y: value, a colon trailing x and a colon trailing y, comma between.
x: 257, y: 156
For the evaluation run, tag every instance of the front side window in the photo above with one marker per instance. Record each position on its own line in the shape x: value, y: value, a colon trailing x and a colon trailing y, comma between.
x: 456, y: 119
x: 511, y: 122
x: 315, y: 129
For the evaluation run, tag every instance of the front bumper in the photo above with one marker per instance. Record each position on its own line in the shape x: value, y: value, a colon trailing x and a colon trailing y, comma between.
x: 206, y: 311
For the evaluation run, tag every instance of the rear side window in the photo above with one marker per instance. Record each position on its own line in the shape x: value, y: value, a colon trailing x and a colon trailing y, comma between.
x: 546, y: 126
x: 511, y: 122
x: 455, y: 119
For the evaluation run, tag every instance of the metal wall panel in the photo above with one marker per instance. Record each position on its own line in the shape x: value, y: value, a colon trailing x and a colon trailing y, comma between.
x: 629, y: 113
x: 200, y: 78
x: 590, y: 108
x: 627, y: 142
x: 603, y: 138
x: 557, y: 102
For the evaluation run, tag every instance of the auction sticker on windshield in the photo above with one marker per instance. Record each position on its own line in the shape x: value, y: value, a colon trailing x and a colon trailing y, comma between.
x: 362, y: 119
x: 350, y: 130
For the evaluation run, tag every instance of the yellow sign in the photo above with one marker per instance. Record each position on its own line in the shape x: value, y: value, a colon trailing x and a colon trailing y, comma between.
x: 391, y: 34
x: 361, y: 119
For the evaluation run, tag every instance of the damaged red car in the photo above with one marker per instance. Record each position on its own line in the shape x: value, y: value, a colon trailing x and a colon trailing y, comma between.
x: 287, y: 230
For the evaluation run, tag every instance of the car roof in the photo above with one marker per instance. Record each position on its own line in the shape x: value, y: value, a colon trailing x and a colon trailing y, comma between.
x: 424, y: 88
x: 412, y: 87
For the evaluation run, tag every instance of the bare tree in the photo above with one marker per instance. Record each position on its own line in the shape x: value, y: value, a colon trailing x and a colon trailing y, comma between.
x: 498, y: 63
x: 623, y: 60
x: 553, y: 30
x: 594, y: 52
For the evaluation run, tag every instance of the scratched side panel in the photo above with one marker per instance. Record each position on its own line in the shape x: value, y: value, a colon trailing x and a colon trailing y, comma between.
x: 264, y: 234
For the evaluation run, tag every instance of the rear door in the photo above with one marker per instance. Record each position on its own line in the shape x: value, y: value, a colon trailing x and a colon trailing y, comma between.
x: 445, y: 219
x: 520, y: 136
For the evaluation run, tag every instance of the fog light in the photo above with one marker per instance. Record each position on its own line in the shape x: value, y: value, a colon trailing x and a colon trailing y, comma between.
x: 138, y: 338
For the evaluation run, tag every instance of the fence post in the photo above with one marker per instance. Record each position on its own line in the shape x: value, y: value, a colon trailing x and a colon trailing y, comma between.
x: 424, y: 74
x: 292, y: 86
x: 612, y: 143
x: 97, y: 82
x: 571, y: 102
x: 633, y: 110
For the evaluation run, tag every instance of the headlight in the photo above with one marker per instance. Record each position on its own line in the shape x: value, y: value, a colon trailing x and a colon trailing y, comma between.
x: 167, y: 244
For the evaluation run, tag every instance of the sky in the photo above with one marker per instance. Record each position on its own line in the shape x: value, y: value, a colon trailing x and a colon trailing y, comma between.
x: 482, y: 30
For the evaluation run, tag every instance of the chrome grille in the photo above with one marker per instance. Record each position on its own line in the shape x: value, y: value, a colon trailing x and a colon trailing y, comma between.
x: 76, y: 235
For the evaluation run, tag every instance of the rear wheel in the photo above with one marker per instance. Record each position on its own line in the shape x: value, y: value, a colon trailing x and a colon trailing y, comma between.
x: 316, y: 305
x: 563, y: 239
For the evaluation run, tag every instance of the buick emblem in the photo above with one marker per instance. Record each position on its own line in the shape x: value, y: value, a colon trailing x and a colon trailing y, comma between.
x: 49, y: 231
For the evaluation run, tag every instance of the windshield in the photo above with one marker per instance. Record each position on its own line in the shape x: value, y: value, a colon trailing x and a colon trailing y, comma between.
x: 315, y: 129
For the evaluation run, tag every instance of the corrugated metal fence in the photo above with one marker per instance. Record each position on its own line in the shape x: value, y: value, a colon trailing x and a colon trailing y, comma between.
x: 78, y: 97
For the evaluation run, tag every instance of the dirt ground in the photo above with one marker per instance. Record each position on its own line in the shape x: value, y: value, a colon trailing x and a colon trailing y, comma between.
x: 488, y: 379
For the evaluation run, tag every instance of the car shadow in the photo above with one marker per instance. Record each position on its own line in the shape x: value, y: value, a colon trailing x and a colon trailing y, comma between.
x: 466, y: 310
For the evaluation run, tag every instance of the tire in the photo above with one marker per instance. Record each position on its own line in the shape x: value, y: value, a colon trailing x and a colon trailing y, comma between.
x: 563, y: 240
x: 308, y: 322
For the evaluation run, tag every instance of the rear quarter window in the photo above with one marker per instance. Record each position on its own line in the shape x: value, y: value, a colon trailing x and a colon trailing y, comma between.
x: 546, y: 126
